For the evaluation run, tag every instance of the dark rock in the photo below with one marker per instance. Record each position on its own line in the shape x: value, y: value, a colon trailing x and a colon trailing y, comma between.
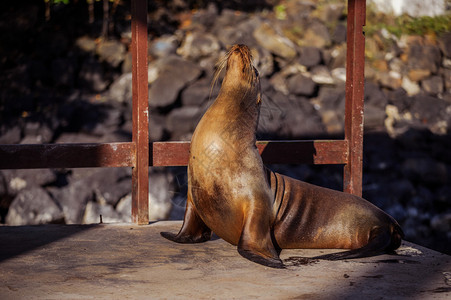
x: 33, y: 206
x: 374, y: 117
x: 10, y: 135
x: 310, y: 56
x: 124, y: 208
x: 430, y: 111
x: 433, y: 85
x: 227, y: 17
x: 36, y: 133
x: 447, y: 79
x: 275, y: 42
x: 197, y: 45
x: 156, y: 127
x: 127, y: 64
x: 111, y: 52
x: 163, y: 46
x: 18, y: 180
x: 198, y: 93
x: 321, y: 75
x: 441, y: 222
x: 67, y: 138
x: 317, y: 35
x: 339, y: 34
x: 263, y: 61
x: 208, y: 17
x: 330, y: 106
x: 241, y: 33
x: 331, y: 13
x: 301, y: 85
x: 174, y: 74
x: 424, y: 57
x: 337, y: 57
x: 73, y: 199
x: 121, y: 89
x: 425, y: 170
x: 181, y: 122
x: 91, y: 75
x: 94, y: 211
x: 374, y: 95
x: 104, y: 122
x: 161, y: 192
x: 86, y: 44
x: 110, y: 185
x: 445, y: 44
x: 298, y: 118
x: 271, y: 115
x: 392, y: 79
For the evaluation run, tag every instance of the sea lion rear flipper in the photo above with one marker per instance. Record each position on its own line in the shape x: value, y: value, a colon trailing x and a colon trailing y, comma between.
x: 380, y: 242
x: 193, y: 229
x: 256, y: 244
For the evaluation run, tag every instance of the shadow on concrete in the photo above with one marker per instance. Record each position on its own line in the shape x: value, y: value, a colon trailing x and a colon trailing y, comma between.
x: 383, y: 274
x: 18, y: 240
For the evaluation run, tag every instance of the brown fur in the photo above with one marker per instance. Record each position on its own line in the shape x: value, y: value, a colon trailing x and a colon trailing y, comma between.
x: 231, y: 193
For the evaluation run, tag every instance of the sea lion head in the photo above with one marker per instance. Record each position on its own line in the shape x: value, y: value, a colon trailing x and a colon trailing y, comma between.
x: 241, y: 75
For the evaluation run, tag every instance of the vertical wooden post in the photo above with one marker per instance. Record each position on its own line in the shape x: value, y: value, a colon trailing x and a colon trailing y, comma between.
x: 140, y: 173
x: 355, y: 66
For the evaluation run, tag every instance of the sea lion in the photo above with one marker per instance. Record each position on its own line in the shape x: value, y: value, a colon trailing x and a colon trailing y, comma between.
x: 231, y: 193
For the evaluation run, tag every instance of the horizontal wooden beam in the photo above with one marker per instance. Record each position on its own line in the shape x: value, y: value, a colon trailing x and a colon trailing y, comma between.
x: 163, y: 154
x: 272, y: 152
x: 43, y: 156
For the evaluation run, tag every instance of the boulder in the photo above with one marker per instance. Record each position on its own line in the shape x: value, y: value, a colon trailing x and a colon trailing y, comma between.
x: 275, y: 42
x: 33, y: 206
x: 445, y: 44
x: 423, y: 58
x: 112, y: 52
x: 91, y: 76
x: 163, y: 46
x: 121, y: 89
x: 310, y: 56
x: 174, y: 73
x: 161, y: 192
x: 433, y: 85
x: 197, y: 45
x: 181, y: 122
x: 425, y: 170
x: 317, y: 35
x: 301, y: 85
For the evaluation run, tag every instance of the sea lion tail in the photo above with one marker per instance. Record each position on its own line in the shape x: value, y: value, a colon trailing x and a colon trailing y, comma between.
x: 381, y: 241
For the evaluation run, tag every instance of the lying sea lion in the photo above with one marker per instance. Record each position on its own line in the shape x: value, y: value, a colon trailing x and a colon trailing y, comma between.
x: 231, y: 193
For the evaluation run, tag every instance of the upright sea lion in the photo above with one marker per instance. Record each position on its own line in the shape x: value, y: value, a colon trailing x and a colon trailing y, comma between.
x: 231, y: 193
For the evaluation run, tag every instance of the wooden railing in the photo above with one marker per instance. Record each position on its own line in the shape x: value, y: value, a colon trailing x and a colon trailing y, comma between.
x: 140, y: 154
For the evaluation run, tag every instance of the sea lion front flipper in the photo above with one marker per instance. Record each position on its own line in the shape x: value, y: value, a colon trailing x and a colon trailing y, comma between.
x: 380, y: 242
x: 256, y: 244
x: 193, y: 229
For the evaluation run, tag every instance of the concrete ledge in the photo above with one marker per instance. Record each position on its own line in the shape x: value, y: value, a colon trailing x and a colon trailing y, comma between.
x: 126, y: 261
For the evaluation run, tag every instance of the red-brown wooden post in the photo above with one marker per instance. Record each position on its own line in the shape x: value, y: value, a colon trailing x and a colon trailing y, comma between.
x: 355, y: 66
x: 140, y: 151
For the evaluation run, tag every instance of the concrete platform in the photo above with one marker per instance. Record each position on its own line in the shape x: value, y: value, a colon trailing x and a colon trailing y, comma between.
x: 126, y: 261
